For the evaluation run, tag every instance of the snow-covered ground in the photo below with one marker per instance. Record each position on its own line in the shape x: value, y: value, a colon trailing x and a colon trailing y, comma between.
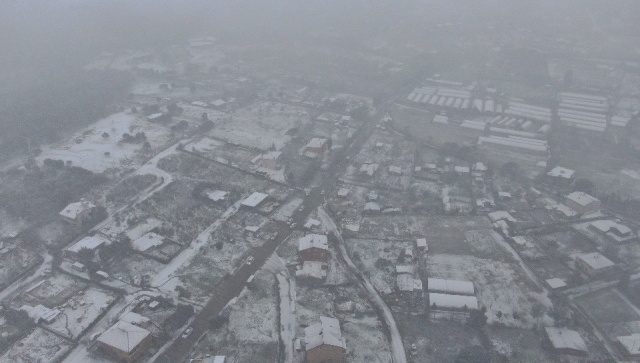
x: 287, y: 316
x: 397, y: 348
x: 162, y: 279
x: 81, y: 311
x: 87, y: 148
x: 40, y: 346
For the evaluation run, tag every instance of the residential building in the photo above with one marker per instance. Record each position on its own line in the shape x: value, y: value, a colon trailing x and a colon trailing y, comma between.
x: 270, y: 159
x: 77, y: 213
x: 594, y: 264
x: 125, y: 341
x: 324, y: 342
x: 313, y: 247
x: 566, y: 341
x: 317, y: 146
x: 582, y: 203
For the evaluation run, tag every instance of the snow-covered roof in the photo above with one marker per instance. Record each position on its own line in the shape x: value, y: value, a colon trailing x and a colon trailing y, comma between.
x: 343, y: 192
x: 421, y: 242
x: 568, y: 212
x: 124, y: 336
x: 147, y: 241
x: 271, y: 155
x: 312, y: 223
x: 479, y: 166
x: 395, y: 169
x: 372, y: 206
x: 457, y: 287
x: 254, y: 199
x: 453, y: 301
x: 313, y: 240
x: 218, y: 102
x: 89, y: 242
x: 155, y: 116
x: 556, y: 283
x: 199, y: 103
x: 404, y: 269
x: 74, y: 209
x: 631, y: 343
x: 560, y: 172
x: 40, y: 312
x: 133, y: 318
x: 217, y: 195
x: 461, y: 169
x: 562, y: 338
x: 581, y: 198
x: 408, y: 283
x: 605, y: 226
x: 441, y: 119
x: 501, y: 215
x: 327, y: 331
x: 595, y: 260
x: 316, y: 142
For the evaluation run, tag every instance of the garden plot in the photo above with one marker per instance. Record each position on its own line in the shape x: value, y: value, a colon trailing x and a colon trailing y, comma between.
x: 52, y: 291
x: 237, y: 156
x: 81, y: 311
x: 214, y: 173
x: 133, y: 266
x: 251, y: 334
x: 14, y: 261
x: 93, y: 150
x: 262, y: 125
x: 503, y: 288
x: 568, y: 243
x: 40, y: 346
x: 612, y: 312
x: 519, y: 345
x: 176, y: 206
x: 129, y: 188
x: 379, y: 259
x: 436, y: 341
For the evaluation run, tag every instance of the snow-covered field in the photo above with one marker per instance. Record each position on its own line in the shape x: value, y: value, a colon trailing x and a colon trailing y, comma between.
x: 87, y: 148
x: 40, y: 346
x: 262, y: 126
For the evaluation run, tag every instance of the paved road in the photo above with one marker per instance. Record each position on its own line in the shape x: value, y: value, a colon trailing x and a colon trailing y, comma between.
x: 232, y: 285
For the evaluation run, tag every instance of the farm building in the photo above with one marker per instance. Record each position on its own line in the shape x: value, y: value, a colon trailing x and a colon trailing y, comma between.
x: 324, y: 341
x: 566, y: 341
x: 455, y: 287
x: 313, y: 247
x: 582, y: 203
x: 125, y: 341
x: 594, y: 264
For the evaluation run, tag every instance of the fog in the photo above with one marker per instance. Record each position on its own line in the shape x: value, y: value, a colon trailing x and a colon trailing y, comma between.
x: 311, y: 181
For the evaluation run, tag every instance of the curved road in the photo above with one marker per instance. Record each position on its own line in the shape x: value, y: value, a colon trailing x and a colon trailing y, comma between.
x: 397, y: 348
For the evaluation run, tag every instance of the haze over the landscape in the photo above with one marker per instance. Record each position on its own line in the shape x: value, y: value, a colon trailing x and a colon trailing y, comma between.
x: 319, y: 181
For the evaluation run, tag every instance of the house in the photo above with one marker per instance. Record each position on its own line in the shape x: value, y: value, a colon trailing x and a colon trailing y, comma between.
x: 270, y: 159
x: 92, y: 243
x: 313, y: 247
x: 404, y: 269
x: 614, y: 231
x: 630, y: 344
x: 371, y: 208
x: 254, y: 200
x: 125, y: 341
x: 454, y: 287
x: 312, y: 272
x: 582, y: 203
x: 324, y: 342
x: 594, y: 264
x: 343, y: 192
x: 395, y: 170
x: 566, y: 341
x: 40, y: 313
x: 317, y: 145
x: 368, y: 169
x: 421, y: 244
x: 77, y: 213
